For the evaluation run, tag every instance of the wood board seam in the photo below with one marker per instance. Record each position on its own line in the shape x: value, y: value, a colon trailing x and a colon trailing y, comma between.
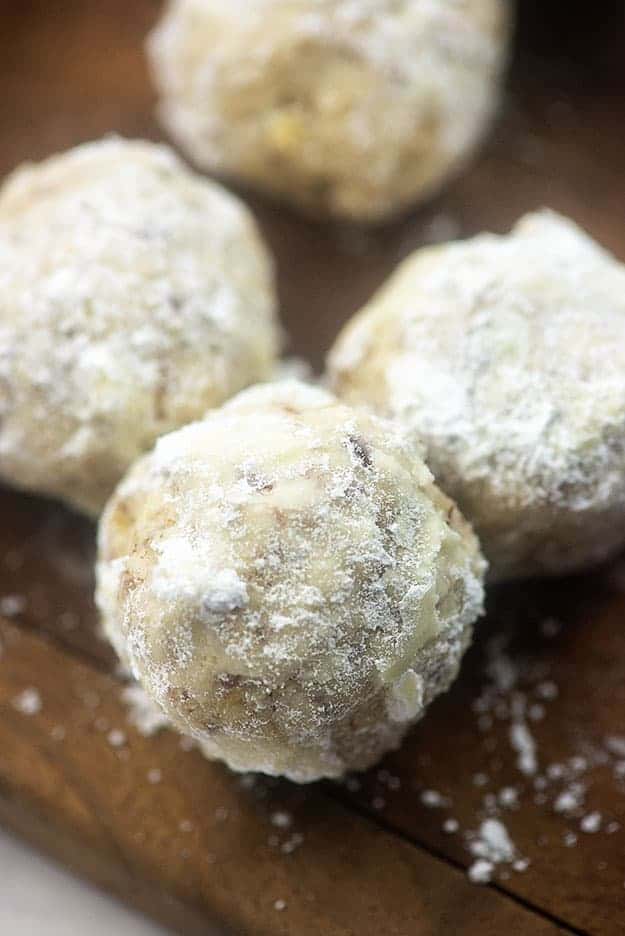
x: 325, y: 790
x: 433, y: 852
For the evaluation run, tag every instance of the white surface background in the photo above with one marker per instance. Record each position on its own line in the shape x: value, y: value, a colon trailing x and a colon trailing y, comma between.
x: 38, y: 898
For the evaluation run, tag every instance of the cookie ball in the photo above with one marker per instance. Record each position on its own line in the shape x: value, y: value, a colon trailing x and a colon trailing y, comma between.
x: 287, y: 582
x: 507, y: 355
x: 133, y: 296
x: 349, y: 109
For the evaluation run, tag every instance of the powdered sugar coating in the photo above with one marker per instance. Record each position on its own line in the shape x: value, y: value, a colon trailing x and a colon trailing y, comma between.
x: 133, y: 295
x: 506, y: 354
x: 287, y: 582
x: 352, y: 108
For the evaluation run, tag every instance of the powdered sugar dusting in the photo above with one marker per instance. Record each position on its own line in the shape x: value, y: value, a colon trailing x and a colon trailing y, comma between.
x: 323, y: 79
x: 513, y: 787
x: 122, y: 315
x: 305, y: 555
x: 469, y: 338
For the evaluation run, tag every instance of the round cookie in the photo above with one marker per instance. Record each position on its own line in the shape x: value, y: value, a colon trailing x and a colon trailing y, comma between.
x: 348, y: 108
x: 507, y: 355
x: 133, y: 296
x: 287, y: 582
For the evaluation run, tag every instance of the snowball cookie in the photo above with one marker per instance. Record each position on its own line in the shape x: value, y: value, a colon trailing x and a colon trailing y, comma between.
x: 508, y: 355
x: 287, y: 582
x: 351, y: 108
x: 133, y: 295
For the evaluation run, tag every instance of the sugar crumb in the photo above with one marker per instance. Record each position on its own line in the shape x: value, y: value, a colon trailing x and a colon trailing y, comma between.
x: 591, y: 823
x: 28, y: 702
x: 281, y: 819
x: 12, y: 605
x: 433, y: 799
x: 481, y: 871
x: 116, y: 738
x: 523, y: 743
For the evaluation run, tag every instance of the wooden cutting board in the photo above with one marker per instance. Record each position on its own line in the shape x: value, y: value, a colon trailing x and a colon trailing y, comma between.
x: 385, y: 854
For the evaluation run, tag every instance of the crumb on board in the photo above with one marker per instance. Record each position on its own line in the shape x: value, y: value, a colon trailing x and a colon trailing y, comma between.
x: 433, y: 799
x: 116, y: 738
x: 12, y: 605
x: 561, y: 791
x: 523, y: 743
x: 481, y: 871
x: 591, y: 822
x: 292, y: 843
x: 281, y: 819
x: 28, y: 701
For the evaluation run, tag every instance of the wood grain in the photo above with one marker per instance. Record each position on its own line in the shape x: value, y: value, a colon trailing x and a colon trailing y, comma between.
x: 585, y: 660
x: 71, y: 71
x: 198, y: 835
x: 457, y: 754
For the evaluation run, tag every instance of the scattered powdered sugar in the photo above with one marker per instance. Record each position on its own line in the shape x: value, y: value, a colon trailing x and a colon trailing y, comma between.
x: 28, y: 702
x: 571, y: 799
x: 433, y: 799
x: 281, y: 819
x: 523, y: 743
x: 12, y: 605
x: 561, y: 790
x: 116, y: 738
x: 591, y: 822
x: 547, y: 690
x: 493, y: 842
x: 481, y: 871
x: 508, y: 797
x: 292, y: 843
x: 616, y: 745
